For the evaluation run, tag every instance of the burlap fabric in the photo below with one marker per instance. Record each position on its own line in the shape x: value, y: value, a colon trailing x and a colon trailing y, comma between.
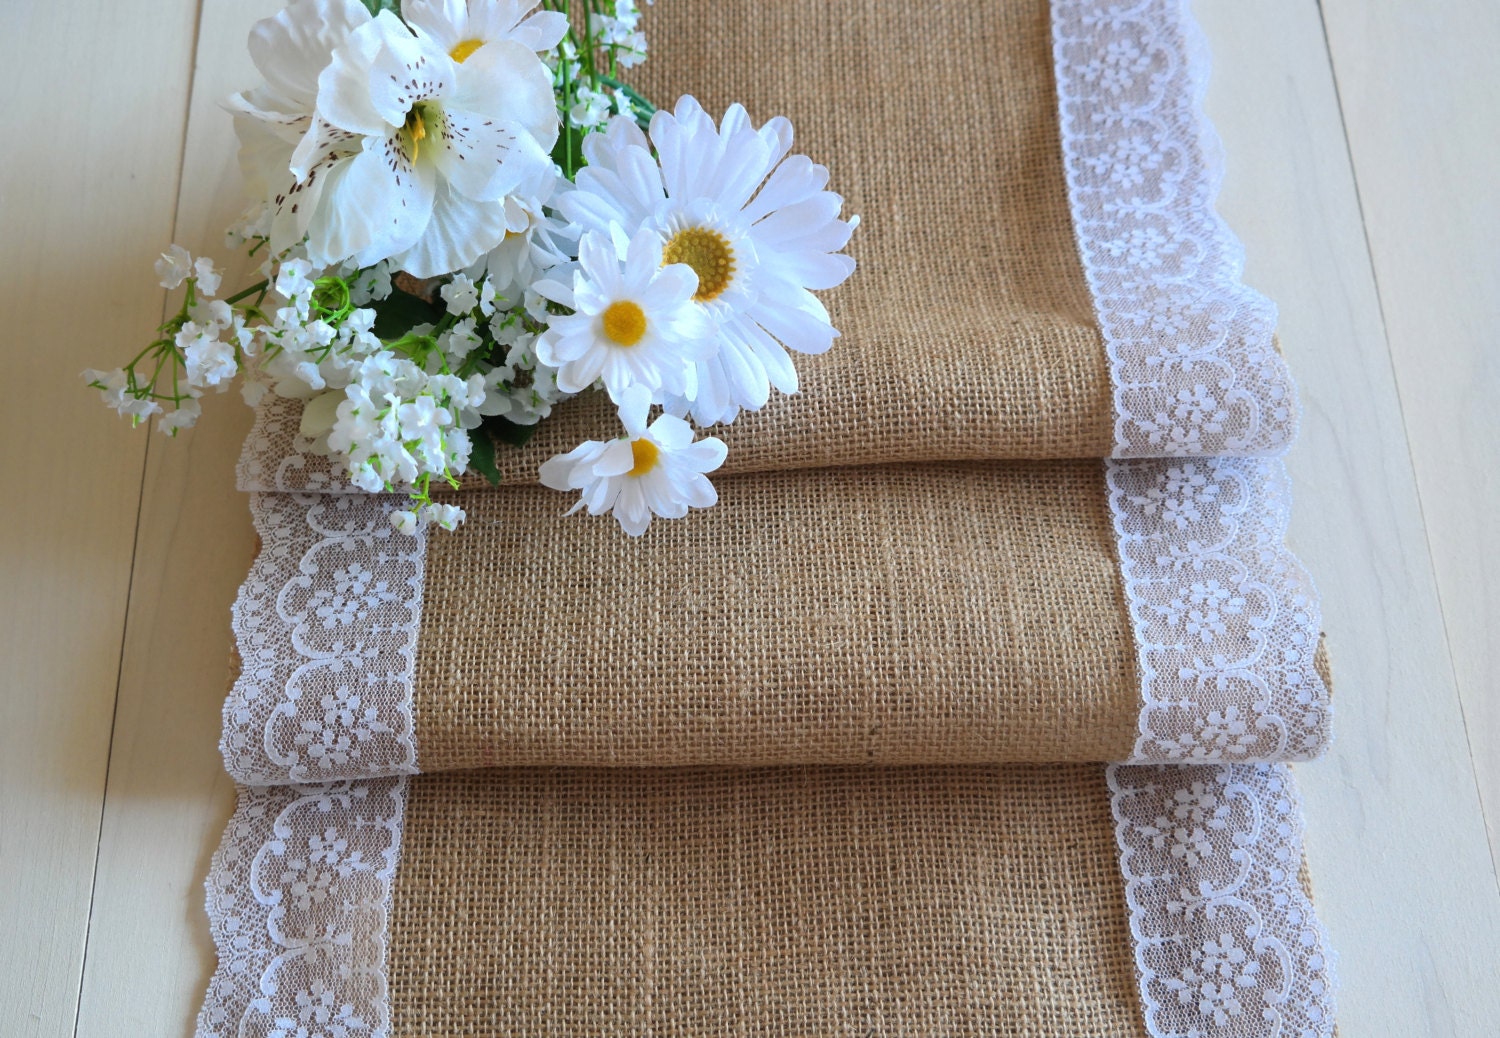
x: 968, y: 331
x: 940, y: 614
x: 960, y: 901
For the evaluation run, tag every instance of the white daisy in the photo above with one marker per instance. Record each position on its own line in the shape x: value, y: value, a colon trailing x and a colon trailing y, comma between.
x: 416, y: 148
x: 633, y: 324
x: 655, y: 470
x: 757, y: 227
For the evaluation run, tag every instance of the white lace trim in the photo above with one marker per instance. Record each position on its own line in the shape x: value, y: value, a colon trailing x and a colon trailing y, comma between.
x: 326, y: 625
x: 1192, y: 357
x: 298, y: 900
x: 1226, y: 942
x: 1226, y: 619
x: 276, y: 456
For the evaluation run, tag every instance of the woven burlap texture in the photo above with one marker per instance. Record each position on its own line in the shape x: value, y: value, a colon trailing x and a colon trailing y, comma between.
x: 959, y: 901
x: 941, y: 614
x: 968, y: 330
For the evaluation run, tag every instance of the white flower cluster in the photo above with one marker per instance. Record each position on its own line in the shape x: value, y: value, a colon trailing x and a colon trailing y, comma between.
x: 204, y: 345
x: 587, y: 101
x: 464, y: 223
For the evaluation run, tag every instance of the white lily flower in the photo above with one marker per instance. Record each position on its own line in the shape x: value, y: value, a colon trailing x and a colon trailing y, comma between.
x: 427, y: 144
x: 291, y: 50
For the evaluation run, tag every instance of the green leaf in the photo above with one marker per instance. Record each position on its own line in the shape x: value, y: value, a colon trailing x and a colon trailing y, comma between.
x: 482, y: 456
x: 506, y: 431
x: 376, y: 6
x: 400, y: 312
x: 568, y: 151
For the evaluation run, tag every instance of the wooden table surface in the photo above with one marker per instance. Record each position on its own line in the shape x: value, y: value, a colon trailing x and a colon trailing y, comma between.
x: 1361, y: 140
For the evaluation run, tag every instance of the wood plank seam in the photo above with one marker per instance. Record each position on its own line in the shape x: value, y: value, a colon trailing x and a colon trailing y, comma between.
x: 1490, y: 809
x: 166, y: 311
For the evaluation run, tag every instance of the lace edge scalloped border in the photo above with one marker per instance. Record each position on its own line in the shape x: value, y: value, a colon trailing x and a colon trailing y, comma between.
x: 298, y: 900
x: 1227, y: 944
x: 1192, y: 353
x: 1226, y: 619
x: 326, y: 625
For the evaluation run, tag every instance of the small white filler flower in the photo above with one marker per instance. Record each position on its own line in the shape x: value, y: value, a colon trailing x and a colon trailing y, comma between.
x: 635, y: 325
x: 655, y: 470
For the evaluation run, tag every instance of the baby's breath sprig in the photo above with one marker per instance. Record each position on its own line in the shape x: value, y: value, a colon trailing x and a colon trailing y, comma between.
x: 203, y: 345
x: 603, y: 37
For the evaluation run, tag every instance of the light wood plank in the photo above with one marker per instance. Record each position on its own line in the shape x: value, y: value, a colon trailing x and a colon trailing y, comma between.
x: 168, y: 797
x: 1395, y: 835
x: 1418, y: 96
x: 95, y: 111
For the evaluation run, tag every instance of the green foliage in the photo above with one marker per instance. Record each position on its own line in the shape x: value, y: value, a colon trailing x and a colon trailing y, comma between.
x: 506, y: 431
x: 376, y: 6
x: 482, y: 456
x: 568, y: 151
x: 400, y: 312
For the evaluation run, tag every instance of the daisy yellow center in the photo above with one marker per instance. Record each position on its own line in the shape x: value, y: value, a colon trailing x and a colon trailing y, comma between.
x: 465, y: 50
x: 708, y: 253
x: 645, y: 454
x: 624, y: 323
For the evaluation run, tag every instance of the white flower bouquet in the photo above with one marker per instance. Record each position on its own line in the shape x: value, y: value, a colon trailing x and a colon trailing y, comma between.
x: 463, y: 217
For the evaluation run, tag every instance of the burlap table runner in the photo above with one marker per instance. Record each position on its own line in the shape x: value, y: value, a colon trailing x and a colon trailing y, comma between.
x: 906, y: 568
x: 940, y: 614
x: 789, y: 901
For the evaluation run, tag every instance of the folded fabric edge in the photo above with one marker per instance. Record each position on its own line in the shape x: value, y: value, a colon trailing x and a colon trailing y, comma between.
x: 1226, y: 940
x: 1225, y: 620
x: 1192, y: 353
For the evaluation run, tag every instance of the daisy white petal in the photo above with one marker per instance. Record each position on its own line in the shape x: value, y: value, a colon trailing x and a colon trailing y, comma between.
x: 655, y: 470
x: 633, y: 322
x: 756, y: 226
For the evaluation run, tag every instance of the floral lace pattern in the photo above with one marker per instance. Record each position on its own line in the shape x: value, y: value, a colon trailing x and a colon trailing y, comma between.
x: 326, y: 626
x: 1191, y: 350
x: 1226, y: 619
x: 278, y: 458
x: 298, y: 898
x: 1226, y: 943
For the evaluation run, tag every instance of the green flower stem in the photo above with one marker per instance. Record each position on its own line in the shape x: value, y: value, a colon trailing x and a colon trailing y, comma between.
x: 262, y: 287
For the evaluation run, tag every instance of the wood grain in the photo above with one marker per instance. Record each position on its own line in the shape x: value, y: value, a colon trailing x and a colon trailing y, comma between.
x: 88, y: 186
x: 1419, y: 108
x: 168, y: 796
x: 1395, y: 837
